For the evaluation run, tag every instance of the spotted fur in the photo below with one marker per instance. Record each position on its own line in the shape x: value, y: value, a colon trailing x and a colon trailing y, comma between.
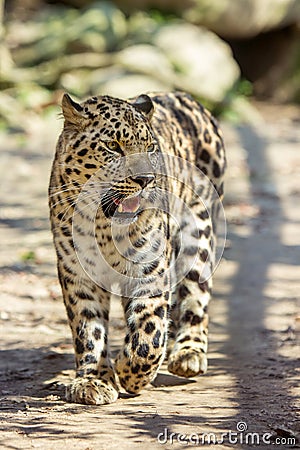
x: 98, y: 133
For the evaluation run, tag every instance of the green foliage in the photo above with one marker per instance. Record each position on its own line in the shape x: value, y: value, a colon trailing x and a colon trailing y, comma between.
x: 28, y: 256
x: 230, y: 108
x: 243, y: 87
x: 161, y: 17
x: 63, y: 48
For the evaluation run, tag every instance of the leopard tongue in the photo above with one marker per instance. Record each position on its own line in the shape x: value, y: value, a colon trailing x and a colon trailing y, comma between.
x: 129, y: 205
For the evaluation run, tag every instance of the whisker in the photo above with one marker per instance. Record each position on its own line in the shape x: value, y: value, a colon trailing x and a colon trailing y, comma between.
x: 63, y: 185
x: 91, y: 185
x: 63, y: 191
x: 64, y: 200
x: 89, y: 205
x: 73, y: 203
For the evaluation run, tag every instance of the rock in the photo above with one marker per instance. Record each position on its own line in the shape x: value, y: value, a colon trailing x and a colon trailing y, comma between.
x: 191, y: 63
x: 243, y: 19
x: 148, y: 60
x: 228, y: 18
x: 203, y: 63
x: 130, y: 85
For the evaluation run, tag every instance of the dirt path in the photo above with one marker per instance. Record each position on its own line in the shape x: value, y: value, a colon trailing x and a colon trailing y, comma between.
x: 253, y: 378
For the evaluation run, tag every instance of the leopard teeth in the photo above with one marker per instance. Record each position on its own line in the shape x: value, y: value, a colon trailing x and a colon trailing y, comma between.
x: 120, y: 208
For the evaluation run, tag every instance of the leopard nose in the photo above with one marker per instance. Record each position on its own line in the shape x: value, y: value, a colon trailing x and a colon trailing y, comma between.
x: 143, y: 180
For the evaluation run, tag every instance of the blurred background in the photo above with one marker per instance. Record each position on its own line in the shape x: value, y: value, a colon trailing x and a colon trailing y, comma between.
x: 241, y: 58
x: 221, y: 51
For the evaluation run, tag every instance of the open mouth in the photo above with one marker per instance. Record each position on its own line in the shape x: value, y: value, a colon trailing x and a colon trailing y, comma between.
x: 118, y: 206
x: 128, y: 206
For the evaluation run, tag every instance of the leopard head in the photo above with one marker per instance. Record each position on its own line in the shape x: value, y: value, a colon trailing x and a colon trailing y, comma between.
x: 110, y: 141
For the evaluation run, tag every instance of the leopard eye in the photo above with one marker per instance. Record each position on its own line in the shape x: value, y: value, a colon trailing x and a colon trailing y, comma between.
x: 113, y: 146
x: 151, y: 148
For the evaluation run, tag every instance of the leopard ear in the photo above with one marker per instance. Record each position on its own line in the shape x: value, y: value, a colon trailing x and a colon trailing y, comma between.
x: 144, y: 104
x: 72, y: 111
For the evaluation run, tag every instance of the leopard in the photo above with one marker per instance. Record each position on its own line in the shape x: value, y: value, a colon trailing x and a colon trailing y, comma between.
x: 135, y: 192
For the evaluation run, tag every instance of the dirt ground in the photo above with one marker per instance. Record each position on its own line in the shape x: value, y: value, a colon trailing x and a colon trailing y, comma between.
x: 250, y: 396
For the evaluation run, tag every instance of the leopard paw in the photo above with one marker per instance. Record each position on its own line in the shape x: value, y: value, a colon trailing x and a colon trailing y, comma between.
x: 187, y: 363
x: 91, y: 392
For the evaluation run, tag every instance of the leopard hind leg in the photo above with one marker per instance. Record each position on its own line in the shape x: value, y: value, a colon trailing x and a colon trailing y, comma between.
x: 189, y: 313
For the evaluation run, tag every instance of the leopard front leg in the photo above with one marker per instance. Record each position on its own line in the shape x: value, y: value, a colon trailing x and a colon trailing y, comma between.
x: 87, y: 307
x: 144, y: 346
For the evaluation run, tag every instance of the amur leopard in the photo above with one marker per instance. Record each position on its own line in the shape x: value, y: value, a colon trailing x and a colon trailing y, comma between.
x: 134, y: 197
